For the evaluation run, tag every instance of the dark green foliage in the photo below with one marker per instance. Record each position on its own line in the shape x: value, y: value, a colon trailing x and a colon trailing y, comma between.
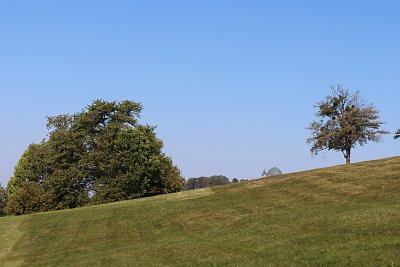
x: 28, y: 198
x: 235, y: 180
x: 66, y: 189
x: 202, y: 182
x: 344, y: 120
x: 95, y: 156
x: 3, y: 201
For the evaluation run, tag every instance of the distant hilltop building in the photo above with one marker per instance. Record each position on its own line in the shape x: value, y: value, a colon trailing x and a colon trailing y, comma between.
x: 271, y: 172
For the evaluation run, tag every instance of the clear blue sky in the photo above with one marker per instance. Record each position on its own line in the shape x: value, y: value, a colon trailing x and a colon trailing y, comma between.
x: 230, y: 84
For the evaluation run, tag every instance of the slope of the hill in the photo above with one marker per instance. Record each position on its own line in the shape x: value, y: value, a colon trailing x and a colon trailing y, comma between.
x: 344, y: 215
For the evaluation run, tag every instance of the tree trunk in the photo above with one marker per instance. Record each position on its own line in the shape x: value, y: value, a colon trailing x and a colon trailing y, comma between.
x: 348, y: 152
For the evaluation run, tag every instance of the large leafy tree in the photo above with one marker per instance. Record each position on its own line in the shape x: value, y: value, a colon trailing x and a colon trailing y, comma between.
x: 344, y: 120
x: 99, y: 155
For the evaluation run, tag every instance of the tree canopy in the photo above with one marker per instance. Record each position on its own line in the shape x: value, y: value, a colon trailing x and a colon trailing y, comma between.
x: 98, y: 155
x: 344, y: 120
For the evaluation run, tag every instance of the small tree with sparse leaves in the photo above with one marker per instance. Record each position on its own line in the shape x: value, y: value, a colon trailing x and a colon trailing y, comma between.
x: 344, y: 120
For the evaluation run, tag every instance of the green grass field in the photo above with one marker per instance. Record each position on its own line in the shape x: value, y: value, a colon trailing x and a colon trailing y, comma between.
x: 339, y: 216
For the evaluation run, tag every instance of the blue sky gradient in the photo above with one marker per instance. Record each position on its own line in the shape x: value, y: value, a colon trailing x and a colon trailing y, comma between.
x: 230, y: 84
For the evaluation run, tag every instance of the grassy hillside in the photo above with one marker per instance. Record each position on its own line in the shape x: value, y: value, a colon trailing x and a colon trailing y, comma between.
x: 345, y: 215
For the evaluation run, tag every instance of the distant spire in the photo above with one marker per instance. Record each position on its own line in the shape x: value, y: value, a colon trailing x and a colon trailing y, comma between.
x: 264, y: 173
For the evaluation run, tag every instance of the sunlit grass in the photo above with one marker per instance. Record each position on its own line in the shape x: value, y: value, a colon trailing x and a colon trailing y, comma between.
x: 344, y: 215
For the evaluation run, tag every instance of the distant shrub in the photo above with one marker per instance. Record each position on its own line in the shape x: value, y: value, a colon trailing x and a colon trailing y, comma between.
x: 3, y: 201
x: 28, y: 198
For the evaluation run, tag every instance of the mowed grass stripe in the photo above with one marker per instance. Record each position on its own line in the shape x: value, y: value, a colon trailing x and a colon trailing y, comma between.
x: 9, y: 234
x: 344, y: 215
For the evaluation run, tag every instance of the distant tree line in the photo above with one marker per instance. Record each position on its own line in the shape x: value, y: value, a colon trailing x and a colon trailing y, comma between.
x: 204, y: 181
x: 99, y: 155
